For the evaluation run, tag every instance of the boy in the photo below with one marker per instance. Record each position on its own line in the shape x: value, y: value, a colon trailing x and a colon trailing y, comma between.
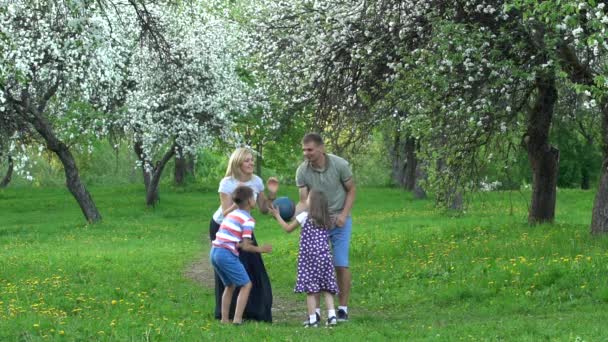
x: 235, y: 233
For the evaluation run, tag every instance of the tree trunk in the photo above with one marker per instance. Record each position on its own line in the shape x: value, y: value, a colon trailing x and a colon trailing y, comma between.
x: 582, y: 74
x: 259, y: 161
x: 179, y: 175
x: 409, y: 177
x: 543, y: 158
x: 398, y: 162
x: 78, y: 190
x: 152, y: 173
x: 139, y: 151
x: 419, y: 192
x: 457, y: 203
x: 152, y: 196
x: 190, y: 166
x: 9, y: 173
x: 585, y: 178
x: 180, y: 171
x: 599, y: 218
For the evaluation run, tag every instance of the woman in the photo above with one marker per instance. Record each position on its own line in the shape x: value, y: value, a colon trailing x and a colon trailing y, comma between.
x: 240, y: 172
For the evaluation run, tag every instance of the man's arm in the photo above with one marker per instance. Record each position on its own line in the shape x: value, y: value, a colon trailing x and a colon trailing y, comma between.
x: 351, y: 191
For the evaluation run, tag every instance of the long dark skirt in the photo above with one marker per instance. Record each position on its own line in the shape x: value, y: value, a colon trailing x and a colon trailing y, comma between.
x: 259, y: 304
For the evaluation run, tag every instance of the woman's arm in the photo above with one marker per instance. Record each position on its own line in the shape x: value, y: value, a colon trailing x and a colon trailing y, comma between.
x: 227, y: 204
x: 247, y: 246
x: 265, y: 203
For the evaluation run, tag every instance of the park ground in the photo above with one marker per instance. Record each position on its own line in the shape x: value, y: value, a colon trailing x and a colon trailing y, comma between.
x: 418, y: 273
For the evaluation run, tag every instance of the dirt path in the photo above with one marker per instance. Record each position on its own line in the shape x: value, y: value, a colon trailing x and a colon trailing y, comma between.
x: 285, y: 309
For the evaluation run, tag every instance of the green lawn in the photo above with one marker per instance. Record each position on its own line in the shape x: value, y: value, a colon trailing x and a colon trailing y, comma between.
x: 418, y: 273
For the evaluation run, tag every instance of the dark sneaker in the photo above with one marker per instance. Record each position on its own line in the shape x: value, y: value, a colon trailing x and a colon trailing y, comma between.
x: 342, y: 316
x: 305, y: 323
x: 312, y: 325
x: 332, y: 321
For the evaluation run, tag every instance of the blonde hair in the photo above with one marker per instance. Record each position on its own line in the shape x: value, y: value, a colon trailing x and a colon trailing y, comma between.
x: 236, y: 160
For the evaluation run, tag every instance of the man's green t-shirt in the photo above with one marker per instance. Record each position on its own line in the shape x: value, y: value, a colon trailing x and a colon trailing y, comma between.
x: 330, y: 180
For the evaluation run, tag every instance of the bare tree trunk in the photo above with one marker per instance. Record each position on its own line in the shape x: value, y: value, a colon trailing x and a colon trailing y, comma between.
x: 9, y: 173
x: 404, y: 162
x: 180, y: 171
x: 78, y: 190
x: 457, y: 202
x: 543, y: 158
x: 582, y: 74
x: 409, y: 176
x: 419, y: 192
x: 585, y: 178
x: 139, y: 151
x: 599, y: 218
x: 449, y: 195
x: 397, y: 161
x: 259, y: 161
x: 152, y: 173
x: 152, y: 196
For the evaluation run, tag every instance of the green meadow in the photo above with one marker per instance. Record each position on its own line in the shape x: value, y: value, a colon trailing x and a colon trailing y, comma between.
x: 418, y: 273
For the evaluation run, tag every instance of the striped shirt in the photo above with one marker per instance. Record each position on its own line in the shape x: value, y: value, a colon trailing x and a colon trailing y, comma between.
x: 235, y: 227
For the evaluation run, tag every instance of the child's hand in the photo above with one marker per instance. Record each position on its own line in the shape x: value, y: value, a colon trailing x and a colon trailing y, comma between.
x: 273, y: 210
x: 266, y: 248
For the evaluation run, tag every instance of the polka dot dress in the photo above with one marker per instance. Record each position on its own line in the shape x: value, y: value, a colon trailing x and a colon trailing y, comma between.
x: 315, y: 266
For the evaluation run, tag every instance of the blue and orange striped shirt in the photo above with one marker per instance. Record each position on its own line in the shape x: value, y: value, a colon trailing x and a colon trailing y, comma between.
x: 235, y: 227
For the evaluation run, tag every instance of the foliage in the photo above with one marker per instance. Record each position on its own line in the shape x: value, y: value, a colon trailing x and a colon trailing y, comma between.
x: 186, y: 93
x: 57, y: 59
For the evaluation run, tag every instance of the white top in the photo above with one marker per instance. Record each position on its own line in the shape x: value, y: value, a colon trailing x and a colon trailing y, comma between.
x: 302, y: 217
x: 227, y: 186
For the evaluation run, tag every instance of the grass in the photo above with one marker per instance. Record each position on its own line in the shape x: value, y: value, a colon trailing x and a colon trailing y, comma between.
x: 418, y: 273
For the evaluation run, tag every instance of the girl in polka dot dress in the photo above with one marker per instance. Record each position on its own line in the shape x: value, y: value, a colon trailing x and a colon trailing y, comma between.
x: 315, y: 267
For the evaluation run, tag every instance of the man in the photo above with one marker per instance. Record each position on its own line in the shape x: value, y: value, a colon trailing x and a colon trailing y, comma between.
x: 332, y: 175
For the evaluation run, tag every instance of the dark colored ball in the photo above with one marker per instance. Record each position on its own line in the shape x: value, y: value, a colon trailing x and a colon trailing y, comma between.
x: 286, y: 207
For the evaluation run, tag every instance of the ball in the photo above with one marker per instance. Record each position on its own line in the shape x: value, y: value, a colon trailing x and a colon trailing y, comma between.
x: 286, y: 207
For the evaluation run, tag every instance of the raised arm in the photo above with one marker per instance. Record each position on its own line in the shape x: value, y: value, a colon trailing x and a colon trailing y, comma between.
x: 264, y: 203
x: 288, y: 227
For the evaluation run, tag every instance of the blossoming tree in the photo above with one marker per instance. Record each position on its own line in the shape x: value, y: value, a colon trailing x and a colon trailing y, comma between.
x: 186, y: 94
x: 53, y: 55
